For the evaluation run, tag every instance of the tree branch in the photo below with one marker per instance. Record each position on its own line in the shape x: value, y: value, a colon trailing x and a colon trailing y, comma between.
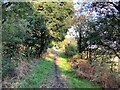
x: 110, y: 48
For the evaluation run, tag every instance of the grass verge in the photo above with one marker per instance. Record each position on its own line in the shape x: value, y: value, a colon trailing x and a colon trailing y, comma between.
x: 73, y: 81
x: 37, y: 74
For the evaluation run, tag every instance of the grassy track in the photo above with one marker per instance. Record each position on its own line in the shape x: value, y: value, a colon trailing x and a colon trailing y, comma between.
x: 45, y: 68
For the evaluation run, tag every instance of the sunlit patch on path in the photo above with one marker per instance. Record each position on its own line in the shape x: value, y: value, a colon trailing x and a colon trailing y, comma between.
x: 54, y: 80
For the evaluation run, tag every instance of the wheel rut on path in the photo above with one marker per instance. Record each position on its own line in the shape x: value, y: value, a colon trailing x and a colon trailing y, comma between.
x: 54, y: 79
x: 57, y: 81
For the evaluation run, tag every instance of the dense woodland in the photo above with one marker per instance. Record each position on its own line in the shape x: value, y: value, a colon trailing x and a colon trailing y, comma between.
x: 31, y: 29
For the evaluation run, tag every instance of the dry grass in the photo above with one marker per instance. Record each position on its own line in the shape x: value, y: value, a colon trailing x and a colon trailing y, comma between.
x: 100, y: 75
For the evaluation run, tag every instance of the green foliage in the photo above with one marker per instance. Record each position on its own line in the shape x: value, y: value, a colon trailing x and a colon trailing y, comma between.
x: 13, y: 34
x: 70, y: 50
x: 39, y: 38
x: 19, y: 10
x: 102, y: 32
x: 7, y: 68
x: 58, y: 16
x: 24, y: 34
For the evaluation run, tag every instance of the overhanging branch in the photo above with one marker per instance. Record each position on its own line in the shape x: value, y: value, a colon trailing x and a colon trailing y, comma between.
x: 110, y: 48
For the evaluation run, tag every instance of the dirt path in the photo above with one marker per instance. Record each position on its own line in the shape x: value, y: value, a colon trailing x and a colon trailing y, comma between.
x: 53, y: 79
x: 57, y: 81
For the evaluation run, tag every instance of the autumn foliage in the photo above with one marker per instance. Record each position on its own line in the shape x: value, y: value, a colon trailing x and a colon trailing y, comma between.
x: 100, y: 75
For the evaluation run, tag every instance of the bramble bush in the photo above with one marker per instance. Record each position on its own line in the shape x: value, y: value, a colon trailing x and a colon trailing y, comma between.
x: 102, y: 76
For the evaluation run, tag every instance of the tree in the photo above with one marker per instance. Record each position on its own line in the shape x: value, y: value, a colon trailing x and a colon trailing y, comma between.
x: 111, y: 28
x: 58, y: 16
x: 39, y: 39
x: 103, y: 31
x: 13, y: 32
x: 24, y: 34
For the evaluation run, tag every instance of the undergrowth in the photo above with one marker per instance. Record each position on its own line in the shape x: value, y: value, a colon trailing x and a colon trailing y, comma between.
x: 73, y: 81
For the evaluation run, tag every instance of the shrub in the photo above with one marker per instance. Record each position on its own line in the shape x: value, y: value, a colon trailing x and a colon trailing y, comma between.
x: 70, y: 50
x: 50, y: 45
x: 8, y: 67
x: 100, y: 75
x: 107, y: 80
